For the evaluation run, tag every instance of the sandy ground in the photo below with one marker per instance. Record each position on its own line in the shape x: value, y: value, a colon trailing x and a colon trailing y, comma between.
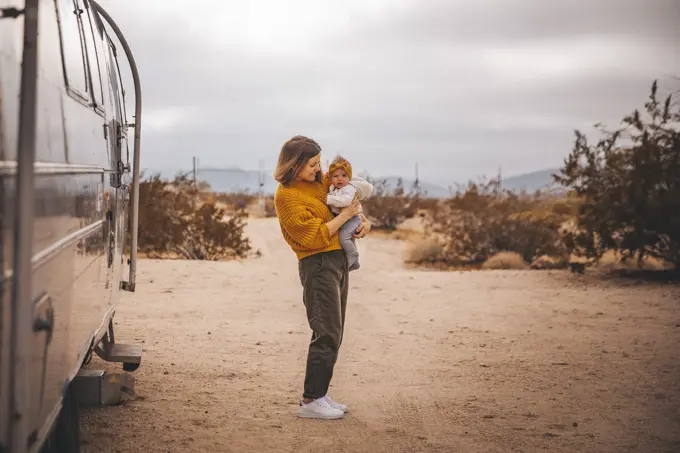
x: 495, y: 361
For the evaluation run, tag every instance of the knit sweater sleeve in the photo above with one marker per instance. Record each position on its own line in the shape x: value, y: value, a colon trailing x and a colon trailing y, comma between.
x: 309, y: 232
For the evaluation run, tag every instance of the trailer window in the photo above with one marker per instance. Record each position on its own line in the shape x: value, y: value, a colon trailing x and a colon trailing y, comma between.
x: 114, y: 81
x: 122, y: 89
x: 73, y: 51
x: 93, y: 55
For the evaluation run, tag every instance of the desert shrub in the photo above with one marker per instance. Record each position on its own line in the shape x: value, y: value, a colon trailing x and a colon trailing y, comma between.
x: 159, y: 227
x: 387, y: 208
x: 174, y: 220
x: 419, y: 200
x: 567, y: 206
x: 505, y: 260
x: 629, y: 184
x: 485, y: 220
x: 239, y: 200
x: 248, y: 201
x: 611, y: 260
x: 209, y: 237
x: 261, y: 207
x: 421, y: 250
x: 269, y: 207
x: 423, y: 203
x: 549, y: 262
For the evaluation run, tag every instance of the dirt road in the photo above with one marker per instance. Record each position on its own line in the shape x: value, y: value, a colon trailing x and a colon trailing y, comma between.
x: 498, y: 361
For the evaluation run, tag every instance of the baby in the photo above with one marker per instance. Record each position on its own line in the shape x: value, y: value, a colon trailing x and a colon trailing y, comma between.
x: 341, y: 194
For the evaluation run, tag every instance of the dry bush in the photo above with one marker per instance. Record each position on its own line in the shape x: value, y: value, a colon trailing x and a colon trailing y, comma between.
x: 549, y: 262
x: 485, y: 220
x: 208, y: 236
x: 239, y: 200
x: 174, y: 221
x: 611, y: 260
x: 388, y: 208
x: 505, y: 260
x: 269, y: 207
x: 262, y: 208
x: 422, y: 204
x: 413, y: 225
x: 422, y: 250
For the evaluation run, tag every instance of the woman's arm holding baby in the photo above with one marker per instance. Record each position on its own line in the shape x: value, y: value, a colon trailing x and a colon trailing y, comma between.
x: 364, y: 228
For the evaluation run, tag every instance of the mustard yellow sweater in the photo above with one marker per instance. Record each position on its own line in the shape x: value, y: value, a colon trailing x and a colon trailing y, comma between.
x: 303, y: 214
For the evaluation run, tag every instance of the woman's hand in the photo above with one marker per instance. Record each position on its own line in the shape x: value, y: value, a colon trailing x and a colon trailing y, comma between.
x: 363, y: 229
x: 345, y: 214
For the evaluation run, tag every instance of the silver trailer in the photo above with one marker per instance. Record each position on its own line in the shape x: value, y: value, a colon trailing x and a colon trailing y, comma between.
x: 68, y: 192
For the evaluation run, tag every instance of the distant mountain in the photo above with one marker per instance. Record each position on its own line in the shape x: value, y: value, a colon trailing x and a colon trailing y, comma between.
x: 229, y: 180
x: 529, y: 182
x: 533, y: 181
x: 237, y: 180
x: 431, y: 190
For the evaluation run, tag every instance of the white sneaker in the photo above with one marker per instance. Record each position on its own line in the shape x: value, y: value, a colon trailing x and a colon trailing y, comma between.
x: 334, y: 404
x: 319, y: 408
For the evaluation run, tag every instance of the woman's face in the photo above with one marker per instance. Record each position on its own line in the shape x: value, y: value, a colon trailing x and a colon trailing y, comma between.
x: 311, y: 168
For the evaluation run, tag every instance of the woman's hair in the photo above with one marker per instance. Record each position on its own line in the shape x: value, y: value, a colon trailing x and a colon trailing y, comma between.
x: 293, y: 157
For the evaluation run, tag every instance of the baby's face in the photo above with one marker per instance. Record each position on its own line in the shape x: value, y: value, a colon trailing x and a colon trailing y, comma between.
x: 339, y: 178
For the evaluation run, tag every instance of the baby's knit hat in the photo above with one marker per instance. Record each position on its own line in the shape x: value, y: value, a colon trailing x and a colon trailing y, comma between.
x: 341, y: 163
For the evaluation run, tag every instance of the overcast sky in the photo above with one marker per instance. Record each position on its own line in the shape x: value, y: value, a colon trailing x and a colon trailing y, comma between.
x: 462, y: 87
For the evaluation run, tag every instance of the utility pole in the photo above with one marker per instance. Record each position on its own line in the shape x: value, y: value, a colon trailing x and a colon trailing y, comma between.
x: 194, y: 171
x: 261, y: 187
x: 416, y: 183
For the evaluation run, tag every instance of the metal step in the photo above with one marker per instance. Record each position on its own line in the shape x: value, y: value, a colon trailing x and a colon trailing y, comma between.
x: 124, y: 353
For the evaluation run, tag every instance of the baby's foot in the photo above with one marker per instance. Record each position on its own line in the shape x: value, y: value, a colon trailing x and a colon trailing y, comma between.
x: 354, y: 266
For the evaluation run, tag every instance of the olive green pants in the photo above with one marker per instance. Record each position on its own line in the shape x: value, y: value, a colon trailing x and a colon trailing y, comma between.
x: 325, y: 282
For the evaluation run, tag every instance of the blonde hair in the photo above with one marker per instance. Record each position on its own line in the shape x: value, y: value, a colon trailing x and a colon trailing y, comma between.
x: 294, y: 155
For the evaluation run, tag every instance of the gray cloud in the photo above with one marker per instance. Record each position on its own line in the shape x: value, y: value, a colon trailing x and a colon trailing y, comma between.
x: 461, y: 87
x: 489, y: 21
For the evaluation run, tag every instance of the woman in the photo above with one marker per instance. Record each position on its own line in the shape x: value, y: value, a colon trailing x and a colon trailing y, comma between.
x: 310, y: 229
